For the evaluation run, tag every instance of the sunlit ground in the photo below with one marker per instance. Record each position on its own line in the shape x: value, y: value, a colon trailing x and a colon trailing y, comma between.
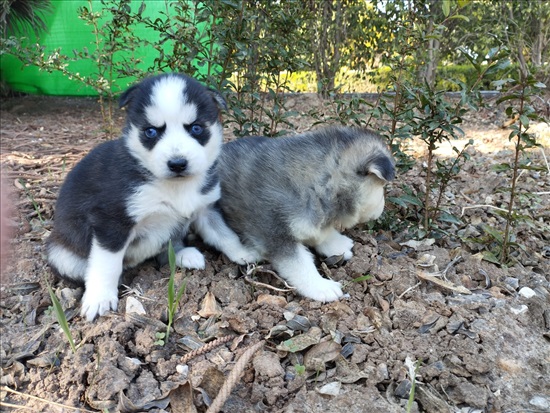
x: 492, y: 141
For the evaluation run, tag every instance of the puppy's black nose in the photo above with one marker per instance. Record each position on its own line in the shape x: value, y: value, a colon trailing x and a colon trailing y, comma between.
x: 178, y: 165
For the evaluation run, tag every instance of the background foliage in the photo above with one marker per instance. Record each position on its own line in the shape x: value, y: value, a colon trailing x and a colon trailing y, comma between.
x: 409, y: 51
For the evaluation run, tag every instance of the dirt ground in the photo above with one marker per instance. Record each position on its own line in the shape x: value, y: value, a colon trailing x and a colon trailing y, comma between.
x: 475, y: 335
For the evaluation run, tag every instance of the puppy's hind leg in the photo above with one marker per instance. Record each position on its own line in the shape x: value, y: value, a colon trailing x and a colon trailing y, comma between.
x: 102, y: 276
x: 298, y: 268
x: 215, y: 232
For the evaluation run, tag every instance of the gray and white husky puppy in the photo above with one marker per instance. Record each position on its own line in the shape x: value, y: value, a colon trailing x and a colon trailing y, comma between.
x: 280, y: 195
x: 127, y: 198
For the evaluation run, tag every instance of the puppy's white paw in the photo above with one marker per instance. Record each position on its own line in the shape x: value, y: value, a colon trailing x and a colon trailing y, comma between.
x: 322, y: 289
x: 97, y: 302
x: 336, y: 244
x: 190, y: 257
x: 299, y: 271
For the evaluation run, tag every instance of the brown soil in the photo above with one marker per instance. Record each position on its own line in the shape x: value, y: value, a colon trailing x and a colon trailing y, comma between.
x: 477, y: 340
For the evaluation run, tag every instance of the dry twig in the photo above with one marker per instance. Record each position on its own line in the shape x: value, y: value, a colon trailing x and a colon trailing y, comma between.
x: 252, y: 269
x: 48, y: 402
x: 482, y: 206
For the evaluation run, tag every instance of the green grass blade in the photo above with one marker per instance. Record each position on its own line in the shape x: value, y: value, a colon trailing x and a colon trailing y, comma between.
x: 171, y: 289
x: 362, y: 278
x: 61, y: 319
x: 181, y: 291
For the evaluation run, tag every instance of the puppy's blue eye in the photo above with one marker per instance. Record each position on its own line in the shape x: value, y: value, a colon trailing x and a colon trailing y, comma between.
x: 151, y: 133
x: 196, y: 130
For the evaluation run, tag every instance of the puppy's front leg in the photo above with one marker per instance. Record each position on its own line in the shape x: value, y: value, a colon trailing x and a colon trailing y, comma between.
x: 298, y: 268
x: 190, y: 257
x: 331, y: 242
x: 102, y: 277
x: 214, y: 231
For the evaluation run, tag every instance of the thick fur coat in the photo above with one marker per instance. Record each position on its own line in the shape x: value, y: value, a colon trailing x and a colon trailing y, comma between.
x: 282, y: 195
x: 123, y: 202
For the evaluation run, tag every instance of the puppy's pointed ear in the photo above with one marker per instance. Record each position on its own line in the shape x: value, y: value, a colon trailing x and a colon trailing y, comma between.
x: 218, y: 98
x: 126, y: 97
x: 382, y: 166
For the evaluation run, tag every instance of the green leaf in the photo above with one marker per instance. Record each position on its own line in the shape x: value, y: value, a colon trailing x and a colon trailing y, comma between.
x: 463, y: 3
x: 501, y: 167
x: 300, y: 369
x: 446, y: 6
x: 505, y: 98
x: 471, y: 59
x: 141, y: 8
x: 501, y: 82
x: 405, y: 199
x: 524, y: 120
x: 446, y: 217
x: 460, y: 16
x: 489, y: 256
x: 496, y: 234
x: 532, y: 168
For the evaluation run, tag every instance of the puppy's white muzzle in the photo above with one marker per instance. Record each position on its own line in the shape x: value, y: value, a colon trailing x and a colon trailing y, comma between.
x: 372, y: 204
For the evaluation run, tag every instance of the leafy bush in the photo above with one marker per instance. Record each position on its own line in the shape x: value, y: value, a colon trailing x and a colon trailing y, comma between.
x: 450, y: 76
x: 256, y: 52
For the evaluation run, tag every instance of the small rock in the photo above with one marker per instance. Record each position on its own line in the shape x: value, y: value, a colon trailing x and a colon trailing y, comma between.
x: 133, y: 305
x: 468, y: 393
x: 527, y: 292
x: 449, y: 195
x: 299, y: 323
x: 330, y: 389
x: 403, y: 389
x: 267, y: 364
x: 383, y: 371
x: 519, y: 310
x: 512, y: 282
x: 540, y: 402
x: 69, y: 297
x: 274, y: 300
x: 426, y: 260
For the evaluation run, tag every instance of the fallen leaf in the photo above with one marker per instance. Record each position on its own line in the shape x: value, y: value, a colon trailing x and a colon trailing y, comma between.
x: 181, y: 399
x: 301, y: 342
x: 418, y: 244
x: 209, y: 306
x: 348, y: 372
x: 320, y: 354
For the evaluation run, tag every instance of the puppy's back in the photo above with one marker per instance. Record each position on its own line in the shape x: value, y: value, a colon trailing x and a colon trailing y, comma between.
x: 270, y: 183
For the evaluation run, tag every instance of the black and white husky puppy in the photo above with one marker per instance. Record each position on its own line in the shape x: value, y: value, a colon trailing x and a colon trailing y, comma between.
x: 127, y: 198
x: 281, y: 195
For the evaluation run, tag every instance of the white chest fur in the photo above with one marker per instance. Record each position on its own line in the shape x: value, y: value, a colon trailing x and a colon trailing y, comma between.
x: 160, y: 209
